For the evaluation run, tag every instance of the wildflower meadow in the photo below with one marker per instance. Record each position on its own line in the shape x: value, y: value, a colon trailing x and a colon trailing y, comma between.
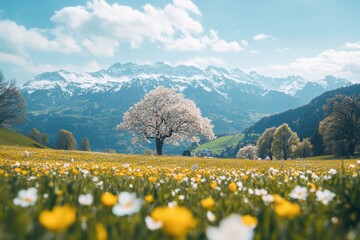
x: 50, y: 194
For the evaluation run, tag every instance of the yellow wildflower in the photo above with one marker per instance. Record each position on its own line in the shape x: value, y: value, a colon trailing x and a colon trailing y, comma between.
x: 152, y: 179
x: 149, y: 198
x: 250, y: 220
x: 287, y: 209
x: 101, y: 233
x: 177, y: 221
x: 108, y: 199
x: 207, y: 203
x: 232, y: 187
x: 58, y: 219
x: 213, y: 184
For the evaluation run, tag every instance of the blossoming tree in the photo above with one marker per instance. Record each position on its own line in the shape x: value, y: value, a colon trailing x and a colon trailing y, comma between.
x: 167, y: 117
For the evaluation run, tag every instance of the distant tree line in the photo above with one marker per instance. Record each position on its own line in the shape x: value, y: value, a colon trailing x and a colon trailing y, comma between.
x: 65, y: 140
x: 338, y: 133
x: 277, y: 143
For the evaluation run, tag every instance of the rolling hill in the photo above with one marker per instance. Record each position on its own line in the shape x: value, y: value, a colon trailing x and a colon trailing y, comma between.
x: 10, y: 138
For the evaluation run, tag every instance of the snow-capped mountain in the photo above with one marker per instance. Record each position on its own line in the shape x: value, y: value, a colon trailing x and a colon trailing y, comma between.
x: 91, y: 104
x: 213, y: 78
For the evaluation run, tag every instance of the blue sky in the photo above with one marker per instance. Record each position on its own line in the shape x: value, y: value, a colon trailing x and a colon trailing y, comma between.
x: 311, y: 38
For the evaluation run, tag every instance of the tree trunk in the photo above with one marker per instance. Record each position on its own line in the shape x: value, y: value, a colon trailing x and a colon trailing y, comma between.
x: 159, y: 145
x: 351, y: 147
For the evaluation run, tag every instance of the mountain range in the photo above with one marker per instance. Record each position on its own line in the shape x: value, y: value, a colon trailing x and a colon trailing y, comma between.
x: 92, y: 104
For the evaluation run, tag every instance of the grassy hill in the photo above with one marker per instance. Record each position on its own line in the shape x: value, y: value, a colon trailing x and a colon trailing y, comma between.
x: 221, y: 143
x: 11, y: 138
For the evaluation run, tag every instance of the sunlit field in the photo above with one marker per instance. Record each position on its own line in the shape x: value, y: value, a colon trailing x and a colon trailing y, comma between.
x: 49, y: 194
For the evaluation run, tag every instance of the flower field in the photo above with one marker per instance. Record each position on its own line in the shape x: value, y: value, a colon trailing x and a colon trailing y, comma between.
x: 49, y: 194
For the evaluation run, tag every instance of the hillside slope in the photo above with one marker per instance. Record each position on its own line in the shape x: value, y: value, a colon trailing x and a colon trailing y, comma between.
x: 305, y: 119
x: 10, y: 138
x: 220, y: 144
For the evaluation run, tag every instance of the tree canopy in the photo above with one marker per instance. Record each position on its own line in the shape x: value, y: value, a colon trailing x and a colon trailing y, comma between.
x: 284, y: 142
x: 12, y: 104
x: 167, y: 117
x: 341, y: 128
x: 66, y: 140
x: 264, y: 143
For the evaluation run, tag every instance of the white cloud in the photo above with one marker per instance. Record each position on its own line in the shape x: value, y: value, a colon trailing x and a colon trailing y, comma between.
x: 30, y: 67
x: 14, y: 37
x: 187, y: 5
x: 202, y: 62
x: 355, y: 45
x: 101, y: 47
x: 244, y: 43
x: 283, y: 49
x: 175, y: 27
x: 263, y: 37
x: 329, y: 62
x: 91, y: 66
x: 220, y: 45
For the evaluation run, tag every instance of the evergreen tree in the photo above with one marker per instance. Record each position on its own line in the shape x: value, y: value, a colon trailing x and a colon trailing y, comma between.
x: 264, y: 143
x: 85, y: 144
x: 66, y: 140
x: 284, y: 142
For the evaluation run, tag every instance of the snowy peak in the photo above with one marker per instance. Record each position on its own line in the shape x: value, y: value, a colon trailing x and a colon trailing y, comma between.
x: 213, y: 78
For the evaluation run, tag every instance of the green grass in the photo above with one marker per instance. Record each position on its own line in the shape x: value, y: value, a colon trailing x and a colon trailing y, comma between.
x: 10, y: 138
x: 332, y: 157
x: 221, y: 143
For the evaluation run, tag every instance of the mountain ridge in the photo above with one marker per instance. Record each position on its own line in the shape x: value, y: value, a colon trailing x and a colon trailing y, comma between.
x: 92, y: 104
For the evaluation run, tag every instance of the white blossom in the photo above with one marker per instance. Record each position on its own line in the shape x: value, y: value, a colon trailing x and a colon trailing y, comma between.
x: 128, y: 204
x: 324, y: 196
x: 299, y: 193
x: 168, y: 117
x: 26, y: 197
x: 231, y: 228
x: 85, y: 199
x: 152, y: 224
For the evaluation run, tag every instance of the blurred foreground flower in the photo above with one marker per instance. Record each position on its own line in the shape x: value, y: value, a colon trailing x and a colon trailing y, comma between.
x: 176, y: 221
x: 85, y: 199
x: 108, y: 199
x: 101, y: 233
x: 58, y: 219
x: 26, y: 198
x: 324, y: 196
x: 152, y: 224
x: 234, y: 227
x: 233, y: 187
x: 284, y: 208
x: 207, y: 203
x: 149, y: 198
x: 127, y: 204
x: 299, y: 193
